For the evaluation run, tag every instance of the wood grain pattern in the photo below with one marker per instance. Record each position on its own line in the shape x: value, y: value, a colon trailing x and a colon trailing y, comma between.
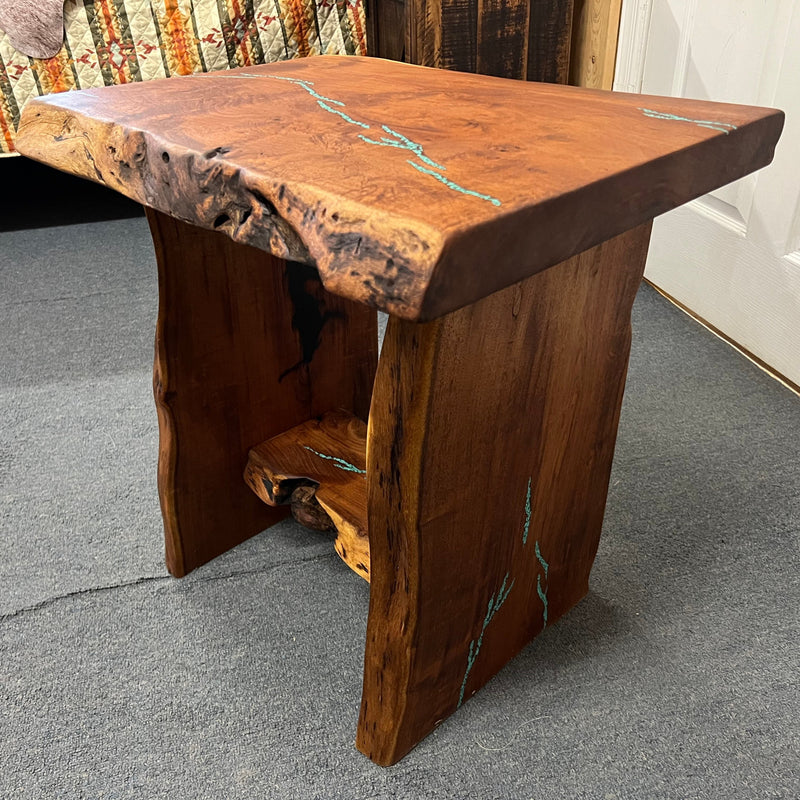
x: 549, y: 37
x: 503, y: 38
x: 528, y: 39
x: 414, y: 190
x: 491, y: 436
x: 328, y: 457
x: 387, y: 23
x: 594, y: 43
x: 247, y: 345
x: 442, y: 34
x: 457, y: 35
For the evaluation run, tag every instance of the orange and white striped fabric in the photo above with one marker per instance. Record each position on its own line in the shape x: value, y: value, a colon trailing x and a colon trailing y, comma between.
x: 119, y: 41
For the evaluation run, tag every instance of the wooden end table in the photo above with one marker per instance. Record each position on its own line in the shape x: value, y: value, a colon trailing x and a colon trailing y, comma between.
x: 502, y: 225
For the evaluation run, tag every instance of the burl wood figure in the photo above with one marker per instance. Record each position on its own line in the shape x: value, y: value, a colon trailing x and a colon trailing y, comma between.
x: 503, y: 226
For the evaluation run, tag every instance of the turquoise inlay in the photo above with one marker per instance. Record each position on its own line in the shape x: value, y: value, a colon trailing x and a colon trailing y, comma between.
x: 403, y: 144
x: 542, y: 597
x: 339, y: 462
x: 399, y: 141
x: 307, y: 86
x: 474, y: 649
x: 322, y: 101
x: 341, y: 114
x: 542, y: 593
x: 528, y: 518
x: 416, y: 148
x: 723, y: 127
x: 545, y: 565
x: 450, y: 185
x: 304, y: 84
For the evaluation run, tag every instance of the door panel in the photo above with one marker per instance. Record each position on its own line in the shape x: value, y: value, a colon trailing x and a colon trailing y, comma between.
x: 732, y: 257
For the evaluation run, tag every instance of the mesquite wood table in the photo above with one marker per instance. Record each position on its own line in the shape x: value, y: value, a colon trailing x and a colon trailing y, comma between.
x: 290, y: 201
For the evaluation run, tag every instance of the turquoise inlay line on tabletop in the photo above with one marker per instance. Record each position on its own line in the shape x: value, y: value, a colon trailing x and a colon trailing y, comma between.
x: 339, y: 462
x: 528, y: 516
x: 307, y: 85
x: 722, y: 127
x: 344, y: 116
x: 399, y: 141
x: 404, y: 144
x: 322, y: 101
x: 450, y: 185
x: 475, y: 645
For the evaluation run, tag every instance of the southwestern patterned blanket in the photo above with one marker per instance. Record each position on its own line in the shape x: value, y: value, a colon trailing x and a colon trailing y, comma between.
x: 119, y: 41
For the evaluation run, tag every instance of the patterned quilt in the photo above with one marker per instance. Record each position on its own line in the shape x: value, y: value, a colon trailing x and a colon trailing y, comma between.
x: 119, y: 41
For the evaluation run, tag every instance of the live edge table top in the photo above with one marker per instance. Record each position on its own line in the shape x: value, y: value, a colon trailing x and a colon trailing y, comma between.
x: 411, y: 189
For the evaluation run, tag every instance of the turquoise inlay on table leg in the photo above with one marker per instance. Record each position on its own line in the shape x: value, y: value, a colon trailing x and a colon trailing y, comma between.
x: 543, y: 598
x: 475, y: 645
x: 545, y: 565
x: 527, y: 516
x: 542, y: 593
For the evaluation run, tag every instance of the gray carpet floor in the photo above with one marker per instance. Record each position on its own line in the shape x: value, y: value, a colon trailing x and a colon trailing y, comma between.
x: 676, y: 677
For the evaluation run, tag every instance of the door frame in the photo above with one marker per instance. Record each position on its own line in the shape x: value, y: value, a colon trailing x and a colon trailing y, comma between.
x: 634, y: 28
x: 634, y: 32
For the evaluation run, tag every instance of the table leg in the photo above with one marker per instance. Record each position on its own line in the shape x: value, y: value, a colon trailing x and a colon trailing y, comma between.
x: 247, y: 346
x: 491, y: 436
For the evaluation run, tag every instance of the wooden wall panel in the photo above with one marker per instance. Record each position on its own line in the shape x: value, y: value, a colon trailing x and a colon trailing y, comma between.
x: 527, y: 39
x: 594, y: 43
x: 386, y: 28
x: 549, y: 40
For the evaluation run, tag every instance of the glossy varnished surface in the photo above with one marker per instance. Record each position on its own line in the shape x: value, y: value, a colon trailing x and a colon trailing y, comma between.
x: 411, y: 189
x: 491, y: 435
x: 320, y: 467
x: 247, y: 346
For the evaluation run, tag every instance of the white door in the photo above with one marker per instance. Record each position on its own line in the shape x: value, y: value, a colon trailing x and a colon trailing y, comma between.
x: 731, y: 257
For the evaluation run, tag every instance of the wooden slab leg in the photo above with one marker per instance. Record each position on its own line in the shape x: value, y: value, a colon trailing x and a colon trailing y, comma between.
x: 247, y: 346
x: 490, y: 442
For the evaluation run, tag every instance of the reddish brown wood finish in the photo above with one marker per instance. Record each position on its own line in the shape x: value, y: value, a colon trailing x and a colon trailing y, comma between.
x: 320, y: 465
x: 491, y: 437
x: 473, y: 184
x: 428, y: 194
x: 247, y: 345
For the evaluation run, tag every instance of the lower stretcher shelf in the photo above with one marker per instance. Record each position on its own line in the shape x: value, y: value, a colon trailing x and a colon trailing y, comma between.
x: 320, y: 467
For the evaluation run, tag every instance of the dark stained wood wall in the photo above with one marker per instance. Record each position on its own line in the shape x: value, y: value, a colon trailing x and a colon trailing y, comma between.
x: 527, y: 39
